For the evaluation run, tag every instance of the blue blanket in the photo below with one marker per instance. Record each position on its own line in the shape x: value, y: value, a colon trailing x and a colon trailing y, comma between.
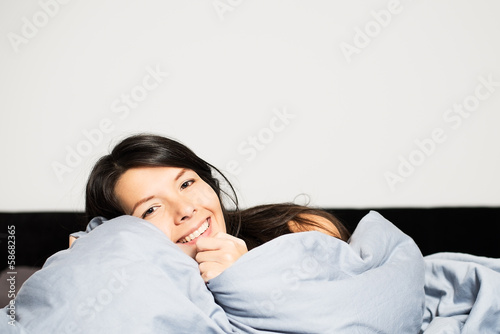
x: 312, y: 283
x: 125, y: 276
x: 462, y: 294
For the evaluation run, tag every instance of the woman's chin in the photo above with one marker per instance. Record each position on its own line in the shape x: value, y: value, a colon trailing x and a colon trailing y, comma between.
x: 190, y: 250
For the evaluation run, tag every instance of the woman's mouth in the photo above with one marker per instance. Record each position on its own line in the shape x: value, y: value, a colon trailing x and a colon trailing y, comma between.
x: 202, y: 229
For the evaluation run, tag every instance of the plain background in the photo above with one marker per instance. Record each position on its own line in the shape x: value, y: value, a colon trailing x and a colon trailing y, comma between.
x: 67, y: 69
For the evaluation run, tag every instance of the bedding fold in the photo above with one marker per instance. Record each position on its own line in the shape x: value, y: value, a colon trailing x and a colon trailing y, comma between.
x: 462, y: 294
x: 125, y: 276
x: 312, y: 283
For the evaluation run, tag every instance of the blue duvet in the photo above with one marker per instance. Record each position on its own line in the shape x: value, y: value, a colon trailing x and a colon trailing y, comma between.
x: 125, y: 276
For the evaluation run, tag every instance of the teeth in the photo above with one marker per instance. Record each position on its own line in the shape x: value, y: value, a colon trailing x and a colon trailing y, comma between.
x: 196, y: 233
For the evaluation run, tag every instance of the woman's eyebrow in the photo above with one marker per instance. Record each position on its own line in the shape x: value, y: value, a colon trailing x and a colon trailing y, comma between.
x: 180, y: 174
x: 139, y: 203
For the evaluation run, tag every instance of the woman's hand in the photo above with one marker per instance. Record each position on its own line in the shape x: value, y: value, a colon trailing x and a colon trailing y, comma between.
x: 71, y: 240
x: 216, y: 254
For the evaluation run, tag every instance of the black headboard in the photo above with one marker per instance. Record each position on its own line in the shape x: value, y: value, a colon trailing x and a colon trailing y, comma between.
x: 474, y: 230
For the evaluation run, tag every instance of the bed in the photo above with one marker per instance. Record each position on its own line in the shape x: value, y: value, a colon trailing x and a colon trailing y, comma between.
x: 404, y: 271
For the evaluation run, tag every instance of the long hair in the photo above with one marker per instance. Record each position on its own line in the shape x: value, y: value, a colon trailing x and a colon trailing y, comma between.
x: 265, y: 222
x: 255, y: 225
x: 147, y: 150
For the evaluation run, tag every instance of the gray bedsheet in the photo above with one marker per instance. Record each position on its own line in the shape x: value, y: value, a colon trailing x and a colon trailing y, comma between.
x: 462, y: 294
x: 125, y: 276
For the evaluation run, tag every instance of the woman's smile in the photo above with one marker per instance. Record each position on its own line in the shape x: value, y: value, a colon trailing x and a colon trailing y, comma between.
x: 191, y: 237
x: 176, y: 200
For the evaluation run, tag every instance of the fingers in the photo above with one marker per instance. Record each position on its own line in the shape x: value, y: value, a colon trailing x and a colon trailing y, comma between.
x: 223, y: 257
x: 219, y: 241
x: 209, y: 270
x: 216, y: 254
x: 210, y: 243
x: 226, y: 236
x: 222, y: 248
x: 71, y: 240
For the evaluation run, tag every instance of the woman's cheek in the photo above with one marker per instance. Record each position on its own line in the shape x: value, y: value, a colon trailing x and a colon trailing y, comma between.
x: 159, y: 222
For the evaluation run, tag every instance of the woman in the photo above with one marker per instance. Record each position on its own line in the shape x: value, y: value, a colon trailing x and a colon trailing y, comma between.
x: 301, y: 283
x: 164, y: 182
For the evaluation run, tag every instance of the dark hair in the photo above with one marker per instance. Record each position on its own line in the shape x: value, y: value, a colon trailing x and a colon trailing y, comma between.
x: 265, y: 222
x: 255, y: 225
x: 147, y: 150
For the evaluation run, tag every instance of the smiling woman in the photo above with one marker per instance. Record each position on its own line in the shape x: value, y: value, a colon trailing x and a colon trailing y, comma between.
x: 163, y: 182
x: 176, y: 200
x: 165, y: 237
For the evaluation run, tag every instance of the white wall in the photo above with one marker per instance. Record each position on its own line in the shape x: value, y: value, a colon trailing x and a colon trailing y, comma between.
x: 357, y: 104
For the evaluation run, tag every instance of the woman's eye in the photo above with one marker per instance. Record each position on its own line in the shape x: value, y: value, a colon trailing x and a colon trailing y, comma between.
x: 187, y: 184
x: 149, y: 211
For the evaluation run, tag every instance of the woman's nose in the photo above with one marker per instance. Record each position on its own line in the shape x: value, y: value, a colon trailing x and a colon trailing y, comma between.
x: 185, y: 211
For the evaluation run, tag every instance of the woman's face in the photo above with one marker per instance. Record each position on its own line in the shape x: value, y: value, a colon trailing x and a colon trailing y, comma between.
x: 176, y: 200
